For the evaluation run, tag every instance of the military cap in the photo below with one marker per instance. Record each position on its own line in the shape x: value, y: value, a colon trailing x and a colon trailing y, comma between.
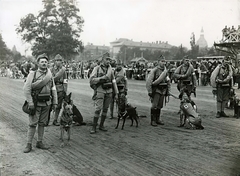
x: 227, y: 59
x: 106, y: 55
x: 44, y: 55
x: 161, y: 58
x: 58, y: 57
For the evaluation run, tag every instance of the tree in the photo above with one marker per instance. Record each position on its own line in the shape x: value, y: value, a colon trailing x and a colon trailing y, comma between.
x: 4, y: 51
x: 55, y: 30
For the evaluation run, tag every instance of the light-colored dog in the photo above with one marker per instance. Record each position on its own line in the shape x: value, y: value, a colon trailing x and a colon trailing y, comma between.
x: 65, y: 122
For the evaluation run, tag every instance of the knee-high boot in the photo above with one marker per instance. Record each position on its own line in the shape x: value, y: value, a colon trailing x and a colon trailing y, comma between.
x: 153, y: 117
x: 101, y: 126
x: 95, y: 121
x: 158, y: 119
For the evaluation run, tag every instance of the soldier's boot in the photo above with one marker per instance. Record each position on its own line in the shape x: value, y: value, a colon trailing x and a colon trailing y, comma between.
x: 94, y: 127
x: 55, y: 122
x: 153, y: 117
x: 101, y: 126
x: 158, y: 119
x: 28, y: 148
x: 40, y: 145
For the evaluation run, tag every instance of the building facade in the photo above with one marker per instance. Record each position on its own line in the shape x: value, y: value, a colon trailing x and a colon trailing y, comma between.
x: 116, y: 45
x: 92, y: 52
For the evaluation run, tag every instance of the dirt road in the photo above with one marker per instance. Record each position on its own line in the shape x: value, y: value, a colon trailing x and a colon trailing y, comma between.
x: 144, y: 151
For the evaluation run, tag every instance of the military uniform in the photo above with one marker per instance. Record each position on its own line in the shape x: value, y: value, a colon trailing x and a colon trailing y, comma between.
x: 186, y: 77
x: 60, y: 79
x: 121, y: 80
x: 158, y: 86
x: 102, y: 80
x: 223, y: 80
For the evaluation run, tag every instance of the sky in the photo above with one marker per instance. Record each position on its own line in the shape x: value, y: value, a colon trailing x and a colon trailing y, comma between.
x: 171, y: 21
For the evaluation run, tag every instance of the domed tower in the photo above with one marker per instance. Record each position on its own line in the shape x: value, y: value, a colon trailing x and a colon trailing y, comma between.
x: 202, y: 43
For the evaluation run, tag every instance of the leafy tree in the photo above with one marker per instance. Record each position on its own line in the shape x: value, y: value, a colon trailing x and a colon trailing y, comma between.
x: 55, y: 30
x: 4, y: 51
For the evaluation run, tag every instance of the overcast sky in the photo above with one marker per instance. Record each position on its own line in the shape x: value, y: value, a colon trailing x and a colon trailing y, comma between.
x: 139, y: 20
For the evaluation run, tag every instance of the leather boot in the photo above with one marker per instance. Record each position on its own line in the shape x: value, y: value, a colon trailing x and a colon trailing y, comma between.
x: 94, y: 130
x: 101, y: 126
x: 56, y: 123
x: 153, y: 117
x: 28, y: 148
x: 40, y: 145
x: 158, y: 121
x: 222, y: 114
x: 218, y: 115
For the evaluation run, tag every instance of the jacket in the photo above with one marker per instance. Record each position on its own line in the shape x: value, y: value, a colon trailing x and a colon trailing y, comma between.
x: 48, y: 88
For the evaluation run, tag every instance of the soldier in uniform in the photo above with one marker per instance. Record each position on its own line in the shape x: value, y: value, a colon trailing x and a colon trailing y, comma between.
x: 222, y: 78
x: 158, y: 87
x: 121, y: 80
x: 60, y: 79
x: 40, y: 93
x: 186, y: 77
x: 103, y: 82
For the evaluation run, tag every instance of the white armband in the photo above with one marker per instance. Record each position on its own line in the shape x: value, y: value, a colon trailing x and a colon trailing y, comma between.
x: 65, y: 81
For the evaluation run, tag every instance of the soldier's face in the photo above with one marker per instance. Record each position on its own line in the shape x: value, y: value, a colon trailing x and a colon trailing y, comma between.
x: 162, y: 63
x: 58, y: 62
x: 106, y: 61
x: 43, y: 63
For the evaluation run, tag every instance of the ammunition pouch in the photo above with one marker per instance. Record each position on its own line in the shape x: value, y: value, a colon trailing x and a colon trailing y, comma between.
x: 162, y: 86
x: 43, y: 97
x: 107, y: 85
x: 186, y: 82
x: 120, y: 86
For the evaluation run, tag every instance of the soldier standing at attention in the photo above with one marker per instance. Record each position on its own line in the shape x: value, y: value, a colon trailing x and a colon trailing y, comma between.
x: 221, y: 79
x: 103, y: 82
x: 60, y: 79
x: 158, y: 87
x: 121, y: 80
x: 40, y: 93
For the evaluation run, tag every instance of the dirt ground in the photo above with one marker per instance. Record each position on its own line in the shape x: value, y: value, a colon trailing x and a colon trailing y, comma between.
x: 144, y: 151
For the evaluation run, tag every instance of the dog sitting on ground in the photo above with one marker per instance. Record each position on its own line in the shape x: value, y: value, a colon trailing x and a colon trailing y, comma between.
x: 65, y: 122
x: 189, y: 118
x: 130, y: 112
x: 77, y: 116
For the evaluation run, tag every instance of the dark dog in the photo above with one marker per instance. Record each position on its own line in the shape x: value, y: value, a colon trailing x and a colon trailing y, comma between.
x: 77, y: 116
x: 131, y: 113
x: 189, y: 118
x: 65, y: 121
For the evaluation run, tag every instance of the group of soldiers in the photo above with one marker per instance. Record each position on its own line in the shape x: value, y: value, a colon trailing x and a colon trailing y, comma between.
x: 110, y: 85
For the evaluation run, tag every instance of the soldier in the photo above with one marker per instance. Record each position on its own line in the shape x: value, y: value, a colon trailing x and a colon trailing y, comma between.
x: 121, y: 80
x: 40, y: 93
x: 158, y: 87
x: 186, y: 77
x: 221, y: 78
x: 60, y: 79
x: 103, y: 82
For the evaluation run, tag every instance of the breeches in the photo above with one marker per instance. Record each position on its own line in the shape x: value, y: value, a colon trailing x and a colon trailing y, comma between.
x: 102, y: 101
x: 157, y: 101
x: 60, y: 99
x: 40, y: 117
x: 223, y: 93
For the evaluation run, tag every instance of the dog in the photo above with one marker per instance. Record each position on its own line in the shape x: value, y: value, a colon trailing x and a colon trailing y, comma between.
x: 130, y: 112
x: 66, y: 120
x: 77, y: 116
x: 236, y: 103
x: 189, y: 118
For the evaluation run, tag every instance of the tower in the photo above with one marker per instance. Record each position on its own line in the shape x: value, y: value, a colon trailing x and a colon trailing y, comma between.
x: 201, y: 42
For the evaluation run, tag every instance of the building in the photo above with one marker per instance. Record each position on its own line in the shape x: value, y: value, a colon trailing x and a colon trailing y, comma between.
x: 94, y: 51
x: 201, y: 42
x: 116, y: 45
